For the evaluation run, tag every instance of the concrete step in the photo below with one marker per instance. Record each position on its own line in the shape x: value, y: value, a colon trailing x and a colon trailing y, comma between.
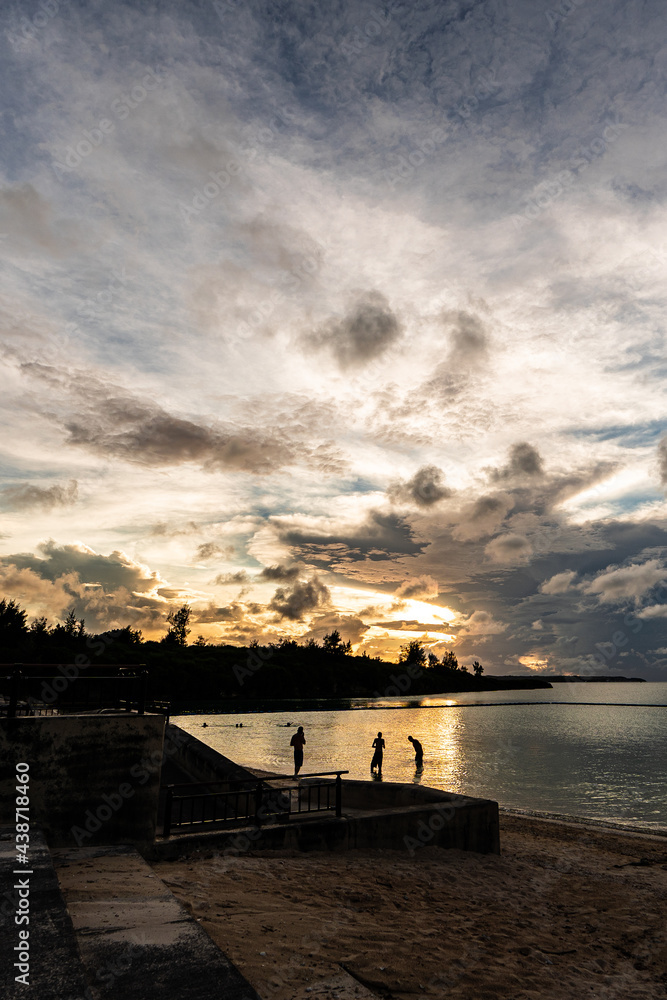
x: 56, y: 970
x: 136, y: 940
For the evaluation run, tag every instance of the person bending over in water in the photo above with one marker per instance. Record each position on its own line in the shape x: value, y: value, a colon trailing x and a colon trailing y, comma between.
x: 419, y: 752
x: 297, y: 742
x: 378, y: 746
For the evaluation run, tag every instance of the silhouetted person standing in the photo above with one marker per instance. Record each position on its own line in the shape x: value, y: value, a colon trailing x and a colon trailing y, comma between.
x: 419, y: 752
x: 378, y: 746
x: 298, y: 741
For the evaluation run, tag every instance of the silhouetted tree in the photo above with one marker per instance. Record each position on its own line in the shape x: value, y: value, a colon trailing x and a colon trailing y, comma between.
x: 179, y: 621
x: 449, y: 660
x: 477, y: 668
x: 333, y: 643
x: 70, y: 626
x: 433, y: 660
x: 288, y: 645
x: 40, y: 627
x: 413, y: 653
x: 12, y: 621
x: 123, y: 636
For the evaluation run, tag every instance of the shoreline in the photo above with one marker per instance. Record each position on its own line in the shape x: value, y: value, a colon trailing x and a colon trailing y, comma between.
x: 565, y: 910
x: 631, y: 828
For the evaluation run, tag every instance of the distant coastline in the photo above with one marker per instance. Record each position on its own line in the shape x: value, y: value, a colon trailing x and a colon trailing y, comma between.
x: 572, y: 678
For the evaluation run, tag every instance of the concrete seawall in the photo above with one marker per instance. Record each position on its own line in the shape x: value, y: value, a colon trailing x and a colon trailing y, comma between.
x: 396, y: 815
x: 97, y: 773
x: 202, y: 762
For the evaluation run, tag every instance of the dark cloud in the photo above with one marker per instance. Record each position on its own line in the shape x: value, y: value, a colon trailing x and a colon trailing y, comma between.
x: 299, y: 600
x: 108, y: 591
x: 412, y: 625
x: 425, y: 489
x: 234, y: 613
x: 379, y: 537
x: 144, y: 432
x: 509, y: 548
x: 112, y: 571
x: 162, y: 529
x: 524, y: 460
x: 23, y: 496
x: 423, y: 587
x: 365, y: 333
x: 208, y: 550
x: 222, y: 579
x: 469, y: 338
x: 483, y: 517
x: 279, y: 572
x: 115, y: 424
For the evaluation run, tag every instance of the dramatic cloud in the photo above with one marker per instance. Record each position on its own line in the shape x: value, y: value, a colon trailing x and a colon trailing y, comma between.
x: 143, y: 432
x: 524, y: 461
x: 558, y: 584
x: 368, y: 329
x: 108, y: 591
x: 296, y: 602
x: 627, y: 582
x: 379, y: 537
x: 279, y: 572
x: 654, y: 611
x: 24, y: 496
x: 421, y: 587
x: 481, y: 623
x: 508, y: 549
x: 469, y: 339
x: 210, y: 550
x: 223, y: 579
x: 425, y: 489
x: 115, y: 570
x: 483, y: 517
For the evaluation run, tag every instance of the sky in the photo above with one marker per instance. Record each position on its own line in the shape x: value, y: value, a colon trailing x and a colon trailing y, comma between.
x: 344, y: 316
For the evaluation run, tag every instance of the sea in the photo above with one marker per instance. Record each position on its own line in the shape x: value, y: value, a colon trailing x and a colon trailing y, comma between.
x: 587, y: 750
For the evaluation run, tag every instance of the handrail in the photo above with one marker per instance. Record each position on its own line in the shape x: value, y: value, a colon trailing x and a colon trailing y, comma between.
x: 257, y: 788
x: 313, y: 774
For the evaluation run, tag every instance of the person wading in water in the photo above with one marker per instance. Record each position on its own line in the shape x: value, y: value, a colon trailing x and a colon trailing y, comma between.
x: 297, y: 742
x: 378, y: 745
x: 419, y: 752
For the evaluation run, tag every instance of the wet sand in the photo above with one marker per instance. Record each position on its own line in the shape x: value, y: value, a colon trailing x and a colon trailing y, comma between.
x: 565, y: 912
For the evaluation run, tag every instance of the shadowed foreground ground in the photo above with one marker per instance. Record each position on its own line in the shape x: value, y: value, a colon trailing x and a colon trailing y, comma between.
x: 564, y: 912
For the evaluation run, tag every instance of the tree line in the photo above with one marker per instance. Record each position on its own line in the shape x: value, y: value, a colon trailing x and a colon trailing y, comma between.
x: 189, y: 671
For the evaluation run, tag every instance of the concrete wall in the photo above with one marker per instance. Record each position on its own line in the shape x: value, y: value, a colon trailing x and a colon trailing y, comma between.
x: 449, y: 821
x: 201, y: 762
x: 389, y: 794
x: 94, y: 779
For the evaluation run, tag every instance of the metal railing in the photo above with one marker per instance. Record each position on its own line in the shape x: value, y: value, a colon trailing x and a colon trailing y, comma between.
x: 60, y: 688
x: 257, y: 803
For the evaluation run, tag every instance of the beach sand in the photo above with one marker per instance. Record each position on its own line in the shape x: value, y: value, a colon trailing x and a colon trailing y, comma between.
x: 565, y: 912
